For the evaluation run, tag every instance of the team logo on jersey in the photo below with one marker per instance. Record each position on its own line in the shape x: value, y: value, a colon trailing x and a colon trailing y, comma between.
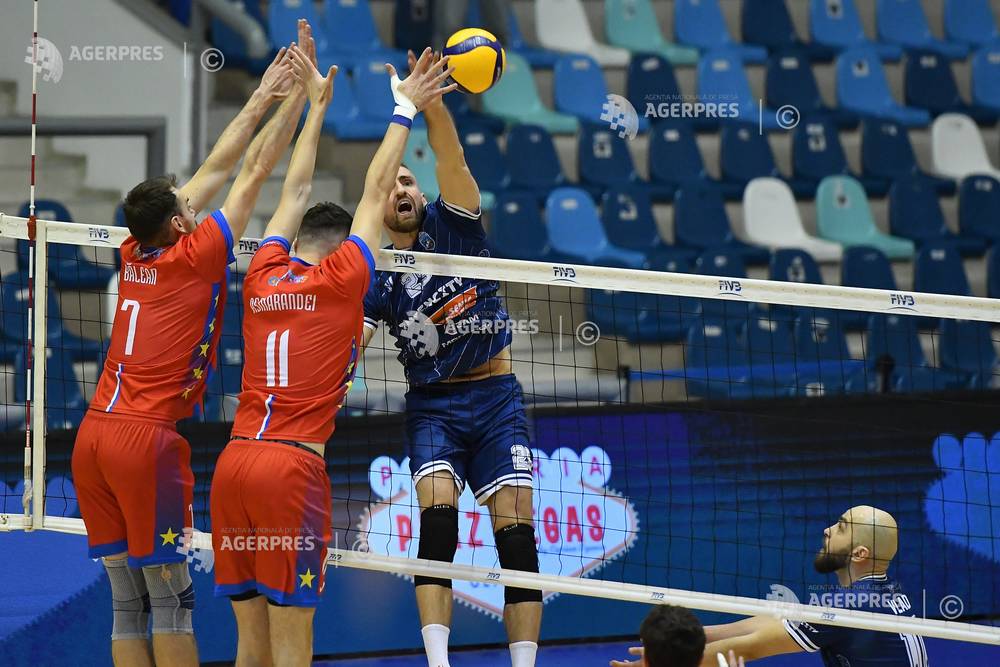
x: 274, y: 281
x: 421, y: 334
x: 425, y: 239
x: 414, y: 284
x: 582, y: 525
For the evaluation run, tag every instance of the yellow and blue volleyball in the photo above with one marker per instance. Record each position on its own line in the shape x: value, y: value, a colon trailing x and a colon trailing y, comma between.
x: 478, y: 59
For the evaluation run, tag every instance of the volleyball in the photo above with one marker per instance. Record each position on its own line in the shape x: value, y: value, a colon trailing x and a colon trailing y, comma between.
x: 478, y: 59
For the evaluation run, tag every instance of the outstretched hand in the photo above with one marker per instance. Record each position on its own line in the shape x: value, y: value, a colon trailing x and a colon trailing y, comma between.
x: 318, y: 88
x: 423, y: 87
x: 634, y: 650
x: 306, y: 41
x: 277, y: 81
x: 411, y: 62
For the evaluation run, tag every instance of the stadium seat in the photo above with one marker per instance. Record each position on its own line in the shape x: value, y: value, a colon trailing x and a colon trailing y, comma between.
x: 413, y: 24
x: 864, y: 266
x: 674, y: 157
x: 967, y: 349
x: 915, y: 213
x: 371, y: 85
x: 580, y: 90
x: 744, y: 154
x: 887, y: 155
x: 487, y: 164
x: 344, y: 119
x: 64, y: 403
x: 627, y: 215
x: 632, y: 25
x: 232, y: 44
x: 68, y: 265
x: 699, y: 23
x: 467, y: 118
x: 986, y: 79
x: 903, y: 22
x: 862, y: 88
x: 701, y: 222
x: 604, y: 160
x: 419, y: 158
x: 517, y: 230
x: 721, y: 77
x: 790, y: 82
x: 820, y: 355
x: 957, y: 148
x: 938, y: 269
x: 353, y: 38
x: 767, y: 23
x: 515, y: 99
x: 928, y: 83
x: 771, y: 219
x: 537, y: 57
x: 716, y: 362
x: 818, y: 153
x: 226, y: 380
x: 771, y: 351
x: 575, y: 230
x: 971, y: 22
x: 993, y: 273
x: 843, y: 215
x: 532, y: 161
x: 725, y: 262
x: 979, y: 208
x: 562, y: 25
x: 282, y: 26
x: 792, y: 265
x: 836, y: 24
x: 650, y: 80
x: 892, y: 346
x: 640, y: 317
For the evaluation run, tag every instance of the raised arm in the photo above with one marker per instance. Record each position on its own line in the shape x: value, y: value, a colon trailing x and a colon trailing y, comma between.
x: 457, y: 185
x: 412, y: 94
x: 298, y: 181
x: 276, y: 84
x: 768, y: 638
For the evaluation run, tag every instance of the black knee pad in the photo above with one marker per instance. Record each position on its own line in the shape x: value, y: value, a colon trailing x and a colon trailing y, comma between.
x: 438, y: 539
x: 517, y: 550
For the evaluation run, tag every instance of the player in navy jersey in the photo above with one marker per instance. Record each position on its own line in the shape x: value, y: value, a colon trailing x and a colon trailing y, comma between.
x: 465, y: 419
x: 858, y: 548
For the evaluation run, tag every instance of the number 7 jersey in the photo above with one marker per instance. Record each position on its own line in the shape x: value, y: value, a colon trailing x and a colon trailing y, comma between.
x: 302, y: 327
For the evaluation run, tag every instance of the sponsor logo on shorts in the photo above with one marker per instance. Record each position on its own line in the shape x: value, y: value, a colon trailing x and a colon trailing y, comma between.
x: 520, y: 457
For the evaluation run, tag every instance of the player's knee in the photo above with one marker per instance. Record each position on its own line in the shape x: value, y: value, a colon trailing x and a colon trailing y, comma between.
x: 130, y: 600
x: 171, y: 598
x: 438, y: 539
x: 517, y: 551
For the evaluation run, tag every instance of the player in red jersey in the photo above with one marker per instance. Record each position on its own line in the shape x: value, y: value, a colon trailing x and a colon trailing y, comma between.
x: 131, y: 468
x: 302, y: 327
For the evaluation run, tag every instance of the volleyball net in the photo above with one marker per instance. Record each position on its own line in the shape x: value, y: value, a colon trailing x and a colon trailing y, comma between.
x: 693, y: 432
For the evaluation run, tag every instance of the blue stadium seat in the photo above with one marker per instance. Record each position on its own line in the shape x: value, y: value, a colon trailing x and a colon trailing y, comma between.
x: 722, y: 82
x: 627, y: 216
x: 794, y: 266
x: 650, y: 79
x: 674, y: 157
x: 993, y: 273
x: 467, y: 118
x: 862, y: 88
x: 532, y: 161
x: 517, y: 230
x: 640, y: 317
x: 915, y: 213
x: 903, y: 22
x: 967, y: 349
x: 344, y: 119
x: 701, y: 222
x: 790, y: 82
x: 226, y: 379
x: 580, y: 90
x: 928, y: 83
x: 700, y: 23
x: 231, y: 43
x: 938, y: 269
x: 282, y: 26
x: 836, y: 24
x: 64, y: 404
x: 726, y: 263
x: 487, y: 164
x: 818, y: 153
x: 575, y: 230
x: 887, y: 154
x: 893, y: 342
x: 767, y: 23
x: 716, y: 362
x: 986, y: 78
x: 69, y: 266
x: 413, y: 24
x: 353, y: 39
x: 772, y: 356
x: 744, y: 154
x: 374, y: 97
x: 820, y: 355
x: 979, y: 207
x: 864, y: 266
x: 604, y: 160
x: 538, y: 57
x: 970, y: 22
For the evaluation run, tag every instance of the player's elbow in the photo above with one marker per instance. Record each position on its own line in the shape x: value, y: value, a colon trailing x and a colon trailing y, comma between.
x: 298, y: 193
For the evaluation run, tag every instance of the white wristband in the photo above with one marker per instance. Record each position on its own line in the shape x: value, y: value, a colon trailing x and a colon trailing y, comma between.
x: 405, y: 112
x: 404, y: 107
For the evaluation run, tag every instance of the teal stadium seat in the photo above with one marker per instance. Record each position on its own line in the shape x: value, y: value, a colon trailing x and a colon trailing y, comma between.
x: 843, y: 215
x: 632, y: 25
x: 515, y: 99
x: 419, y: 158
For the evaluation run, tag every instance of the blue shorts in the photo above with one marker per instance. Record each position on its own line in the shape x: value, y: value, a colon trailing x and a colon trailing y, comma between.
x: 478, y: 431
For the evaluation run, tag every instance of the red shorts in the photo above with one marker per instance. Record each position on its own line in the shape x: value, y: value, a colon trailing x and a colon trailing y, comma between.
x: 134, y: 483
x: 270, y: 510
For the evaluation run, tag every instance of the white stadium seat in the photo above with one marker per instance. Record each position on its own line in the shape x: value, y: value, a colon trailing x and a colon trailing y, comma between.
x: 562, y: 26
x: 957, y: 147
x: 771, y: 218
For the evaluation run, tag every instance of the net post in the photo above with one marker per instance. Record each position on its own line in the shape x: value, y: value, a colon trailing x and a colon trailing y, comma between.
x: 37, y: 381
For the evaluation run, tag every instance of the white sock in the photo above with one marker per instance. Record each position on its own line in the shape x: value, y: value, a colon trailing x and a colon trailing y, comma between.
x: 522, y: 654
x: 436, y: 644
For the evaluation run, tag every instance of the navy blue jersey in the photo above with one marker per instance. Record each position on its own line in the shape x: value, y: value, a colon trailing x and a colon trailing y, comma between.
x: 443, y: 326
x: 849, y: 647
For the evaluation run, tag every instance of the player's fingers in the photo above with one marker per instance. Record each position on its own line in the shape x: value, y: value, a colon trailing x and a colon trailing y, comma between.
x: 424, y: 61
x: 277, y: 58
x: 635, y: 650
x: 442, y: 77
x: 411, y: 59
x: 390, y: 69
x: 332, y: 72
x: 446, y: 89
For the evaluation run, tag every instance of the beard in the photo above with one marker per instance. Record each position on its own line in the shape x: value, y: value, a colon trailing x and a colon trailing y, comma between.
x: 827, y: 562
x: 408, y: 221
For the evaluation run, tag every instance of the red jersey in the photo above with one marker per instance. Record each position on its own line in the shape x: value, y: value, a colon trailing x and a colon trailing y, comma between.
x: 302, y: 329
x: 167, y: 324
